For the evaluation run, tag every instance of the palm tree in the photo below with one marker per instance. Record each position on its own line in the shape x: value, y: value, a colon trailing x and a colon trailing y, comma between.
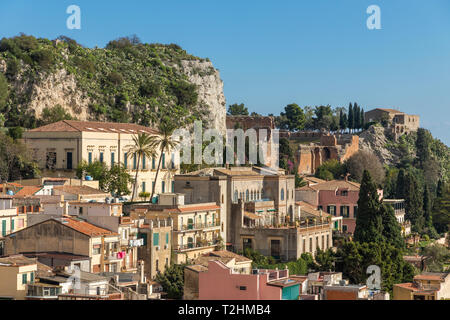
x: 144, y: 145
x: 164, y: 142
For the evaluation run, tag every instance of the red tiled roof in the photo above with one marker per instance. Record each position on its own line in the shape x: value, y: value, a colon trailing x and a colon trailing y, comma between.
x: 333, y: 185
x: 82, y: 190
x: 27, y: 191
x: 431, y: 276
x: 91, y: 126
x: 198, y: 207
x: 85, y: 227
x: 408, y: 285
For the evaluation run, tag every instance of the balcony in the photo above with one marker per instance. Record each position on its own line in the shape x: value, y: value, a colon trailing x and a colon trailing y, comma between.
x: 194, y: 246
x: 198, y: 226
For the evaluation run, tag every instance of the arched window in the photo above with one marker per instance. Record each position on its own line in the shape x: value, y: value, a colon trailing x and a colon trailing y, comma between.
x: 235, y: 196
x: 282, y: 194
x: 246, y: 195
x: 257, y: 195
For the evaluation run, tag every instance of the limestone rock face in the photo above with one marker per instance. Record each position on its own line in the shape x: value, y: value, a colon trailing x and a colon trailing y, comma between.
x: 210, y: 91
x: 375, y: 140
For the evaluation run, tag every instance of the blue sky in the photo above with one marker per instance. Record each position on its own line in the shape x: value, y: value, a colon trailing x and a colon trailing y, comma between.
x: 272, y: 53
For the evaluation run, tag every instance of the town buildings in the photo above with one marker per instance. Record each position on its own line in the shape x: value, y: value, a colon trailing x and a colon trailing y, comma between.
x: 16, y: 272
x: 70, y: 235
x: 196, y: 227
x: 425, y: 286
x: 259, y: 285
x: 59, y: 147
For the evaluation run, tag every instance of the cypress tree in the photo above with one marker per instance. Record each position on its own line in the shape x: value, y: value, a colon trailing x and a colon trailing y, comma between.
x: 413, y: 203
x: 356, y: 117
x: 440, y: 189
x: 427, y: 207
x: 369, y: 225
x: 423, y: 147
x: 400, y: 190
x: 341, y: 121
x: 392, y: 231
x: 350, y: 117
x: 362, y: 121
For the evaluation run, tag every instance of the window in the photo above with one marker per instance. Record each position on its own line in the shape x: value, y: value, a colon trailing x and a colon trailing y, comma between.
x: 167, y: 238
x: 331, y: 210
x: 173, y: 186
x: 235, y: 196
x: 344, y: 193
x: 134, y: 162
x: 153, y: 163
x: 32, y: 277
x: 167, y: 262
x: 24, y: 278
x: 3, y: 228
x: 101, y: 157
x: 51, y: 160
x: 163, y: 160
x: 96, y: 249
x: 282, y: 194
x: 156, y: 239
x: 125, y: 160
x: 246, y: 195
x: 12, y: 225
x: 90, y: 157
x: 173, y: 161
x: 344, y: 228
x: 143, y: 186
x: 355, y: 211
x: 157, y: 265
x: 345, y: 211
x: 243, y: 288
x: 98, y: 291
x: 143, y: 161
x: 163, y: 186
x: 112, y: 158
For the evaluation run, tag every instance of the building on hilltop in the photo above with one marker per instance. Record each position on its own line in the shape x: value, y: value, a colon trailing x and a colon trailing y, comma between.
x: 399, y: 123
x: 425, y: 286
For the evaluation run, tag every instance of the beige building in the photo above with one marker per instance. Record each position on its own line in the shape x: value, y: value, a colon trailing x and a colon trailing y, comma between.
x: 11, y: 219
x: 59, y: 148
x: 196, y: 227
x: 425, y: 286
x: 70, y: 235
x: 16, y: 272
x: 156, y: 251
x: 248, y: 184
x: 399, y: 122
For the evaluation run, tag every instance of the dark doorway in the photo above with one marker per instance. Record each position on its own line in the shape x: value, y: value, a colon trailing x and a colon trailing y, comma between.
x: 275, y: 248
x: 69, y: 160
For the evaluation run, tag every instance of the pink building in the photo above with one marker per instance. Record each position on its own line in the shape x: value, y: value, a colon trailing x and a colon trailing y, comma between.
x: 220, y: 283
x: 336, y: 197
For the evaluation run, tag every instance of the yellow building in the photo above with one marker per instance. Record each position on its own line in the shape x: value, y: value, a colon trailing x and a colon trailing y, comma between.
x: 196, y: 227
x: 16, y: 272
x: 425, y: 286
x: 59, y: 147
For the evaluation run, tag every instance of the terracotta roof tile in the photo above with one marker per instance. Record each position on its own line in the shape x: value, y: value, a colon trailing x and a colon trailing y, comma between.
x: 81, y: 190
x: 85, y: 227
x: 27, y: 191
x: 198, y: 207
x: 91, y: 126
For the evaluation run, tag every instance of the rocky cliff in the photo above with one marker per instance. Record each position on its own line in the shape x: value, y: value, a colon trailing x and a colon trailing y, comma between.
x: 127, y: 81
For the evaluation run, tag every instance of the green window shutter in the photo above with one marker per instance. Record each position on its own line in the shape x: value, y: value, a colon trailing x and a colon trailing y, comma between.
x: 134, y: 161
x: 12, y: 225
x: 156, y: 239
x: 167, y: 238
x: 101, y: 157
x: 32, y: 277
x: 24, y: 278
x: 163, y: 187
x: 112, y: 158
x: 125, y: 160
x: 153, y: 163
x: 90, y: 157
x: 163, y: 160
x: 143, y: 161
x: 342, y: 211
x: 4, y: 228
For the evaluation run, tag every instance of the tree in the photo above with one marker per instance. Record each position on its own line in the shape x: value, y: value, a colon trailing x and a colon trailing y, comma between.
x: 55, y: 114
x: 423, y: 142
x: 355, y: 257
x: 362, y: 121
x: 401, y: 181
x: 144, y: 145
x: 4, y: 92
x: 295, y: 117
x: 351, y: 117
x: 97, y: 170
x: 117, y: 180
x: 333, y: 166
x: 299, y: 181
x: 369, y: 225
x: 323, y: 117
x: 414, y: 203
x: 441, y: 211
x: 164, y: 142
x: 15, y: 160
x: 172, y: 281
x: 356, y: 116
x: 365, y: 160
x: 237, y: 110
x: 438, y: 257
x: 392, y: 232
x: 324, y: 260
x: 343, y: 120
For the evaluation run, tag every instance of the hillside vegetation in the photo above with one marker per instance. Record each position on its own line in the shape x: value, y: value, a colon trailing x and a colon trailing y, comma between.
x: 127, y: 81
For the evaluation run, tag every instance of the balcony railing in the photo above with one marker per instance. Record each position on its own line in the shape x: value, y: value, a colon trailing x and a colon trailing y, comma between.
x: 191, y: 246
x: 198, y: 226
